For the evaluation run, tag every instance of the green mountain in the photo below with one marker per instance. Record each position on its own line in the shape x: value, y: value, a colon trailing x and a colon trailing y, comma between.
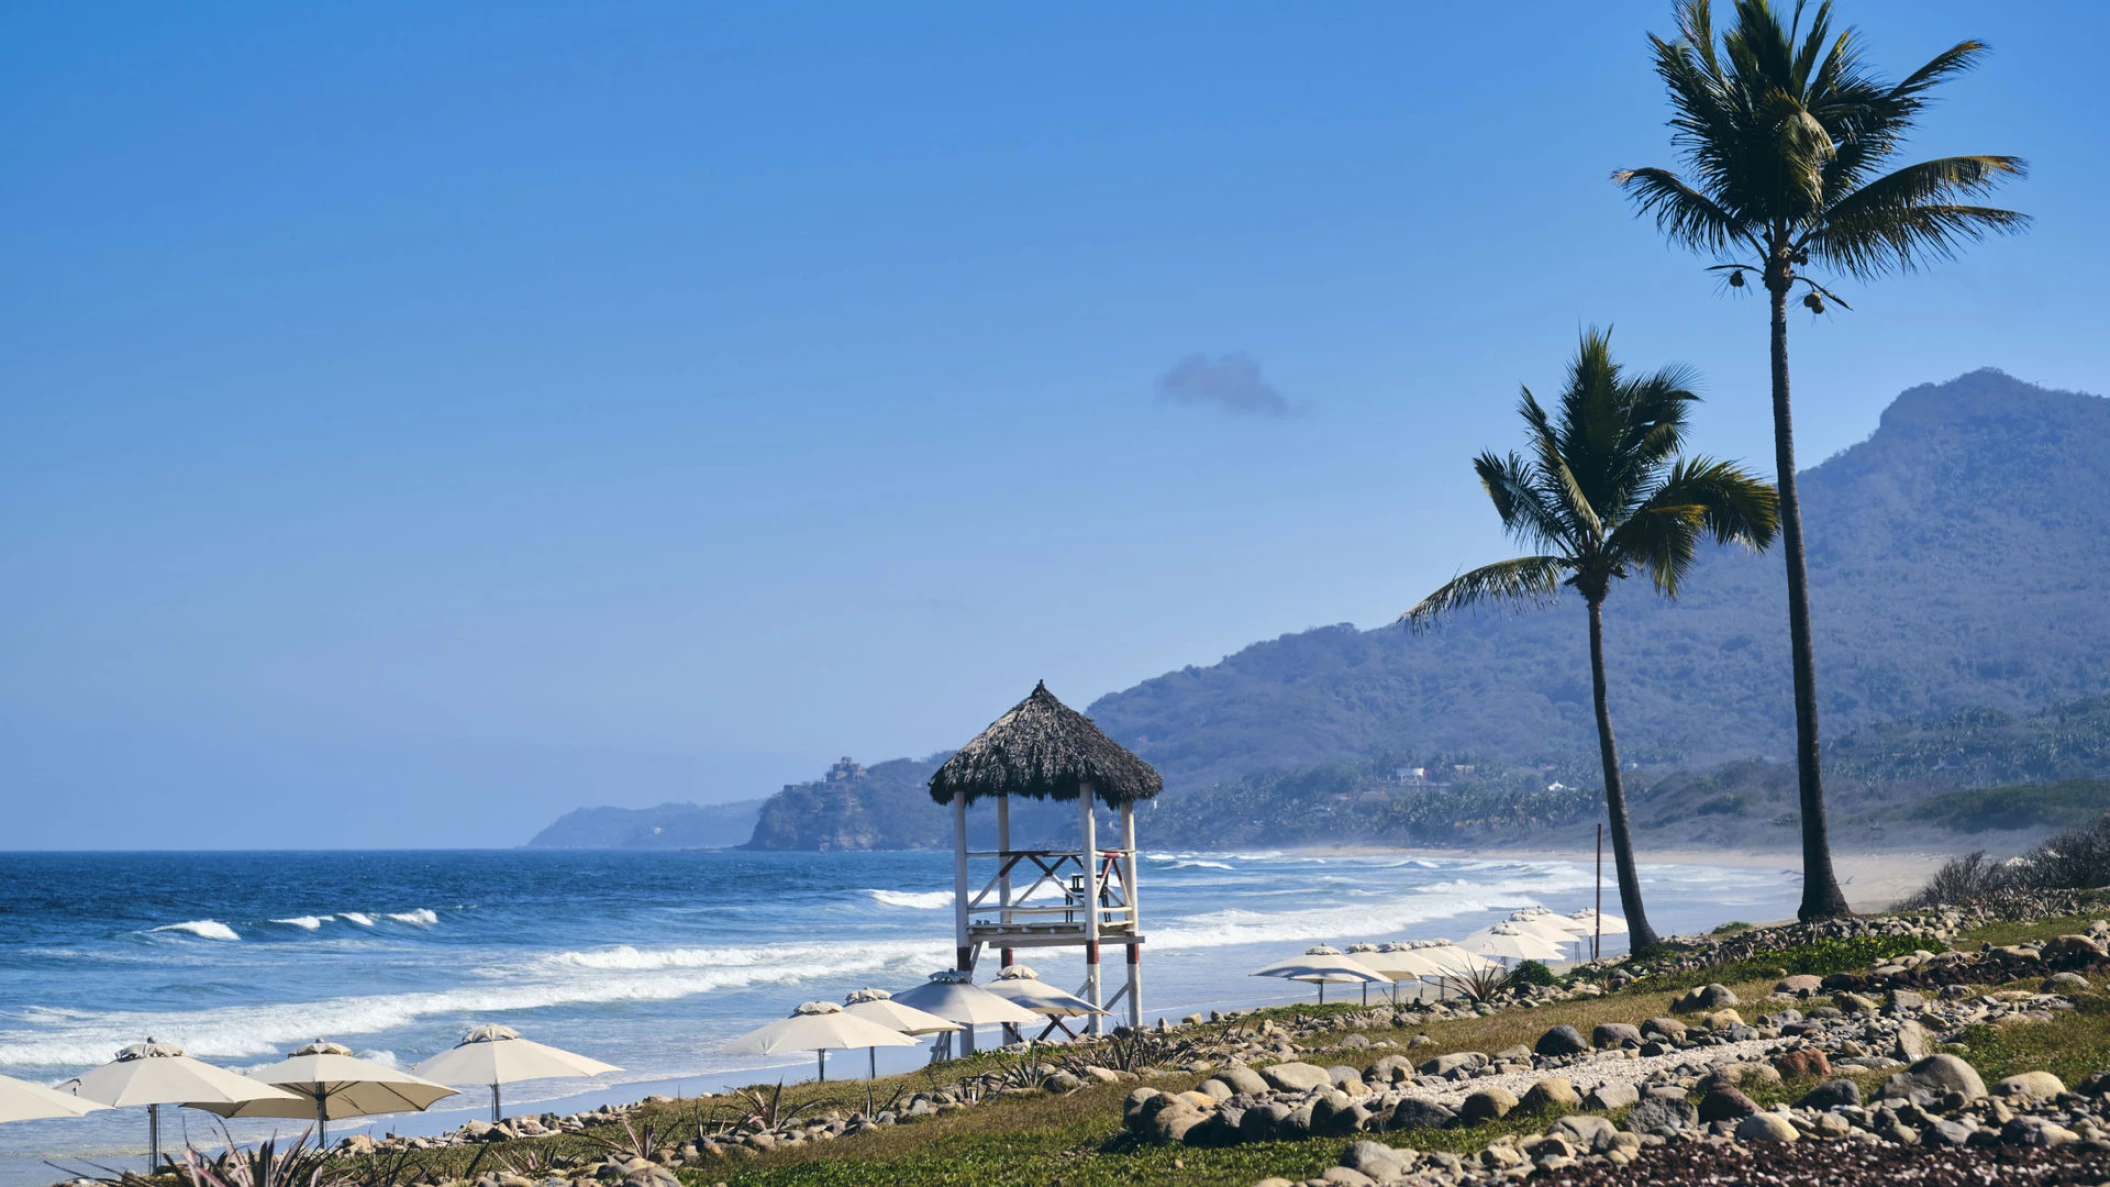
x: 1957, y: 560
x: 1958, y: 564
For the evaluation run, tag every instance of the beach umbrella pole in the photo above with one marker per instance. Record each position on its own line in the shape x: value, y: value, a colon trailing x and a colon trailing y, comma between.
x: 823, y: 1053
x: 494, y: 1104
x: 153, y: 1137
x: 874, y: 1052
x: 322, y: 1122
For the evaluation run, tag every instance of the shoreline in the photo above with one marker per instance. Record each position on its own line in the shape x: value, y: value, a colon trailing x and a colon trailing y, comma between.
x: 1873, y: 881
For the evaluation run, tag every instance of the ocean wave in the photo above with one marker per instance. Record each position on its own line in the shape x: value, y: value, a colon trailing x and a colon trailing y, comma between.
x: 204, y: 929
x: 73, y: 1039
x: 1199, y: 864
x: 359, y: 917
x: 1400, y: 909
x: 423, y: 917
x: 797, y: 959
x: 914, y: 900
x: 306, y: 922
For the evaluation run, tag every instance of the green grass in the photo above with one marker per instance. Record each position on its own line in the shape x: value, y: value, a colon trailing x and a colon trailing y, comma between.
x: 1819, y: 958
x: 2002, y: 934
x: 2074, y: 1044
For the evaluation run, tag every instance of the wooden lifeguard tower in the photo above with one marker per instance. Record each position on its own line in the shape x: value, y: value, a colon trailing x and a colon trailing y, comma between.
x: 1043, y: 749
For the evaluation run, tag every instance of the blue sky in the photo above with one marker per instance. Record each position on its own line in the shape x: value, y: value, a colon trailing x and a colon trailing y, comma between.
x: 420, y: 420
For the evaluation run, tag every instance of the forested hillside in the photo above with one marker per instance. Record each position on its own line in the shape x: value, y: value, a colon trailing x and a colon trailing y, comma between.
x: 1959, y: 565
x: 1958, y: 560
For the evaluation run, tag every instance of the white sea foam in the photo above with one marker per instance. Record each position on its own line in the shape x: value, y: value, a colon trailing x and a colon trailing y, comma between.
x: 73, y: 1038
x: 306, y: 922
x: 914, y: 900
x: 1199, y: 864
x: 359, y: 917
x: 422, y: 917
x: 1395, y: 912
x: 204, y: 929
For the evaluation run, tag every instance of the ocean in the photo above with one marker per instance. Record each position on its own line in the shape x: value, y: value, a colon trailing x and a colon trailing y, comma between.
x: 646, y: 960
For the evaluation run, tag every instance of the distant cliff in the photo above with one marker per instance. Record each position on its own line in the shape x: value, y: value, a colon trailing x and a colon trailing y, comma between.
x: 885, y: 806
x: 669, y: 826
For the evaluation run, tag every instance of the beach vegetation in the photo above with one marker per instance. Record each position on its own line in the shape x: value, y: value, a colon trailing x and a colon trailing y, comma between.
x: 1532, y: 972
x: 1819, y: 958
x: 2077, y: 859
x: 1789, y: 144
x: 1604, y: 494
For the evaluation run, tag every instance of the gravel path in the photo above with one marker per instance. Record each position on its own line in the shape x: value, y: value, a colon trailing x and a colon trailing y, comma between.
x: 1606, y: 1068
x: 1840, y: 1164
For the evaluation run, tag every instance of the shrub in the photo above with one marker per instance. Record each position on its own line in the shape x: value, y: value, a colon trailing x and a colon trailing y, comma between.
x: 2076, y: 859
x: 1531, y: 972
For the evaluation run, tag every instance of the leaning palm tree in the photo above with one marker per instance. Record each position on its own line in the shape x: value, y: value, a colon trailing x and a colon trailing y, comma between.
x: 1784, y: 133
x: 1603, y: 494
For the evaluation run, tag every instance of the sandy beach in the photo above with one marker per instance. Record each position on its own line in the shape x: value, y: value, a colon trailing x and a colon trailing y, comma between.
x: 1872, y: 881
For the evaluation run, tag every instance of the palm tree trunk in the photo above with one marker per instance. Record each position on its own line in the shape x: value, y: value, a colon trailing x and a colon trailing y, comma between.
x: 1642, y: 937
x: 1821, y: 896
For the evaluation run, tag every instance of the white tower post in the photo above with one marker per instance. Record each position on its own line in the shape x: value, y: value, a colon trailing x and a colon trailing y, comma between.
x: 1089, y: 826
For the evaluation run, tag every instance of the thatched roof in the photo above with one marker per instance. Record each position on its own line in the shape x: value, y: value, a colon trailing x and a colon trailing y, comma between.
x: 1044, y: 749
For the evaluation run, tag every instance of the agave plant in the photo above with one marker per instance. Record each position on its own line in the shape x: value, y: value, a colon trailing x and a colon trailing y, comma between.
x: 632, y: 1142
x: 767, y: 1110
x: 1479, y: 982
x: 266, y: 1164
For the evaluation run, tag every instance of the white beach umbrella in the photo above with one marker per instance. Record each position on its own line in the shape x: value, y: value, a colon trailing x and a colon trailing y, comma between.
x: 1510, y: 942
x: 331, y: 1083
x: 1394, y: 962
x: 21, y: 1100
x: 952, y: 994
x: 1402, y: 962
x: 877, y: 1005
x: 156, y: 1074
x: 1555, y: 929
x: 1022, y: 986
x: 819, y: 1027
x: 497, y: 1055
x: 1321, y: 965
x: 1561, y: 929
x: 1451, y: 961
x: 1588, y: 920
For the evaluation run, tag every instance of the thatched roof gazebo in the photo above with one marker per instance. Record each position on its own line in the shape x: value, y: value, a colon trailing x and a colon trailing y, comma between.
x: 1043, y: 749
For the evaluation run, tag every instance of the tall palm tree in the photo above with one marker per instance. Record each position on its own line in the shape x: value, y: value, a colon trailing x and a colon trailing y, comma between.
x: 1603, y: 494
x: 1784, y: 134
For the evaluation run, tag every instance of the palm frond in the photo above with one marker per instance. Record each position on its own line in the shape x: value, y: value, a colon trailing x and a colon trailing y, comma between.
x: 1955, y: 60
x: 1513, y: 488
x: 1783, y: 130
x: 1554, y: 480
x: 1682, y: 213
x: 1901, y: 240
x: 1699, y: 497
x: 1524, y: 581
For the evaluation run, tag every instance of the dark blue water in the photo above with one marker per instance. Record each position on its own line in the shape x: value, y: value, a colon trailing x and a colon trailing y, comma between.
x: 647, y: 960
